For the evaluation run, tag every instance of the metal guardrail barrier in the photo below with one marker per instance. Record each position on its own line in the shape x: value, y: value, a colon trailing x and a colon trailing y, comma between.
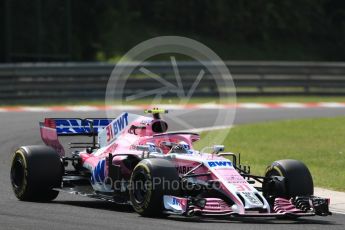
x: 58, y: 81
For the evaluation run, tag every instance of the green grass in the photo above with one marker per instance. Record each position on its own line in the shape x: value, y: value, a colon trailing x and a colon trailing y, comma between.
x: 262, y: 99
x: 319, y: 143
x: 306, y: 99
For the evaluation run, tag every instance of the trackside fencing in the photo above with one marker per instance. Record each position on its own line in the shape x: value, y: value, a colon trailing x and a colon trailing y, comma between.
x: 67, y: 81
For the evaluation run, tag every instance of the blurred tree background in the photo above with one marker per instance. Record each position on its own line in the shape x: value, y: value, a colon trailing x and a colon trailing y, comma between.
x: 103, y: 30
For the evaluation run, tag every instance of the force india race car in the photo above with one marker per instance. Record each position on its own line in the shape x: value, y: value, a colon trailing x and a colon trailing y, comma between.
x: 133, y: 160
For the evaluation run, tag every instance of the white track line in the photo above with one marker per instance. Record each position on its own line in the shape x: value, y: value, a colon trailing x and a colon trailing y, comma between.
x: 35, y: 109
x: 292, y: 105
x: 82, y: 108
x: 253, y: 106
x: 210, y: 106
x: 123, y: 107
x: 331, y: 105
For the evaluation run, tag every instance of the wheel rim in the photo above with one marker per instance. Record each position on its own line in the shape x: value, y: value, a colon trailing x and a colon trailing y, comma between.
x: 17, y: 173
x: 140, y: 186
x: 270, y: 190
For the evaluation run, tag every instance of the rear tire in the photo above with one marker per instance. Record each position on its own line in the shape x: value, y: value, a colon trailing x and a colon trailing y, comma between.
x: 147, y: 200
x: 35, y: 171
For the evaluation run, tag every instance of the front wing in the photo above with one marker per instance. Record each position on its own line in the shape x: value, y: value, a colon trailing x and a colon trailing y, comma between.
x: 295, y: 207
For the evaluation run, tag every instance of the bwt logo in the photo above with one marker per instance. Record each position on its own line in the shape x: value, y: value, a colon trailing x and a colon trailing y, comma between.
x: 219, y: 164
x: 78, y: 126
x: 117, y: 126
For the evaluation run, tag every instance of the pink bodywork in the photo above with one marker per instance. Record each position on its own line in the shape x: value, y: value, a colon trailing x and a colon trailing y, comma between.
x: 127, y: 140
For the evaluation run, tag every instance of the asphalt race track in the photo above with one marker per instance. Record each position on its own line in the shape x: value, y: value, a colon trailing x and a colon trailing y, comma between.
x: 74, y: 212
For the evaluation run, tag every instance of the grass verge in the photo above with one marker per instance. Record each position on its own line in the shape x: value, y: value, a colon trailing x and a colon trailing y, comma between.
x: 319, y: 143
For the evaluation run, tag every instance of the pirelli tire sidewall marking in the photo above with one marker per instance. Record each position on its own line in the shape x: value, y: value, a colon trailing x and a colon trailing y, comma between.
x: 146, y: 203
x: 274, y: 166
x: 21, y: 155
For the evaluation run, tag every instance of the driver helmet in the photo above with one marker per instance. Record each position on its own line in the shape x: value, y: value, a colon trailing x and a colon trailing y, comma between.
x: 185, y: 147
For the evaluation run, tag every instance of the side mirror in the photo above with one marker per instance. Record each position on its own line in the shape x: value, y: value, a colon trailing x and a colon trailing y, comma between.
x: 218, y: 148
x: 149, y: 147
x: 143, y: 148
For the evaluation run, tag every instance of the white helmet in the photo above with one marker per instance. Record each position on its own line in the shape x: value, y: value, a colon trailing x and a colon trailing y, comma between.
x: 184, y: 147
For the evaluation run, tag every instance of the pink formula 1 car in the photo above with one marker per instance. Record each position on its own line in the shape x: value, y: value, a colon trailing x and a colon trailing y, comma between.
x: 133, y: 160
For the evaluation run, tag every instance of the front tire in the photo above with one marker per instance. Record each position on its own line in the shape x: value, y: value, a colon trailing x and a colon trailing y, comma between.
x: 150, y: 181
x: 35, y: 171
x: 296, y: 180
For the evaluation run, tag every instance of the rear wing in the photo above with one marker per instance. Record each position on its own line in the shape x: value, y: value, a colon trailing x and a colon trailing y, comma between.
x: 76, y: 126
x: 52, y: 128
